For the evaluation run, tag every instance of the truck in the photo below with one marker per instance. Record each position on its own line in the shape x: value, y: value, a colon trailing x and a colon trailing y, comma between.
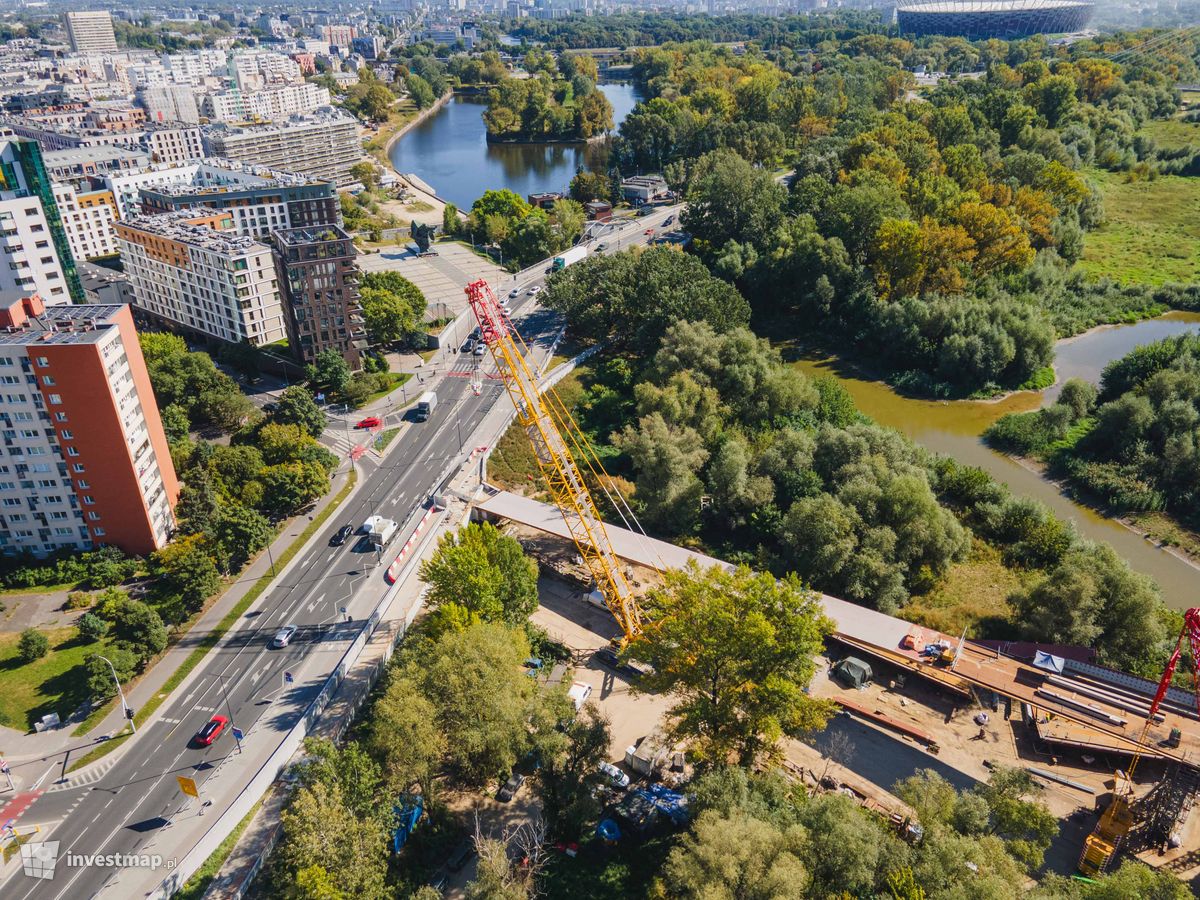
x: 567, y: 257
x: 381, y: 530
x: 426, y: 404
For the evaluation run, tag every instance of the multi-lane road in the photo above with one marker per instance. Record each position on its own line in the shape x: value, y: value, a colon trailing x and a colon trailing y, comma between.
x: 136, y: 807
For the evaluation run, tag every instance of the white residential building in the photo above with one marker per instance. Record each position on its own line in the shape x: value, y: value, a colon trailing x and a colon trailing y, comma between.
x: 87, y: 218
x: 174, y: 145
x: 322, y: 145
x: 90, y: 31
x: 28, y: 261
x: 271, y: 104
x: 195, y: 272
x: 169, y: 103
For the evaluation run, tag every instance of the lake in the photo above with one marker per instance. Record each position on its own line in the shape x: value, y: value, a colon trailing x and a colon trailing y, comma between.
x: 954, y: 428
x: 449, y: 152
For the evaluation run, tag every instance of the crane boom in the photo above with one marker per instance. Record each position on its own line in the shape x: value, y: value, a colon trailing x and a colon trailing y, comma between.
x: 558, y: 444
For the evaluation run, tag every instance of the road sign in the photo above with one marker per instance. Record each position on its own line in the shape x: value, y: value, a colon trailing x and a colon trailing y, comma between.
x: 188, y: 786
x: 342, y: 609
x: 288, y: 678
x: 237, y: 735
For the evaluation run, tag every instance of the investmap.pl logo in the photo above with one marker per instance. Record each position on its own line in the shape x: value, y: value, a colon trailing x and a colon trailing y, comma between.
x: 40, y: 860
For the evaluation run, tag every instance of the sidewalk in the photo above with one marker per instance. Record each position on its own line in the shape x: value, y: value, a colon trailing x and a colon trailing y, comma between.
x: 24, y: 747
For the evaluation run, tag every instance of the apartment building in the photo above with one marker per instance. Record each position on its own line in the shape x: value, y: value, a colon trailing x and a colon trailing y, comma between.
x: 324, y: 144
x: 173, y: 145
x: 77, y: 165
x: 90, y: 32
x: 35, y: 252
x: 88, y: 218
x: 259, y: 200
x: 320, y: 287
x: 271, y: 103
x: 169, y: 103
x: 339, y: 36
x: 84, y: 460
x: 193, y: 271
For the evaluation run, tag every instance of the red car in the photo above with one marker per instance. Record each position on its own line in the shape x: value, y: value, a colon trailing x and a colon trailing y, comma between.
x: 369, y: 422
x: 210, y: 732
x: 649, y: 231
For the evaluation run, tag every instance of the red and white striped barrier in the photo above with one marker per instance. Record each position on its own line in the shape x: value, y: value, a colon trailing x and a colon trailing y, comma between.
x: 394, y: 569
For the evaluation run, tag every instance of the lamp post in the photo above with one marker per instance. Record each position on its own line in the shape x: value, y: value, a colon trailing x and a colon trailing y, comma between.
x: 225, y: 693
x: 121, y: 694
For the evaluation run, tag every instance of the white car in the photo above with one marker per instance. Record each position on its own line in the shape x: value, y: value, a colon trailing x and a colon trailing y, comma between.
x: 283, y: 636
x: 615, y: 776
x: 514, y: 293
x: 535, y: 290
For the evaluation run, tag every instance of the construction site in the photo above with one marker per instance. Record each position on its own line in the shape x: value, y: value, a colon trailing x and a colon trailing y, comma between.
x: 1118, y: 755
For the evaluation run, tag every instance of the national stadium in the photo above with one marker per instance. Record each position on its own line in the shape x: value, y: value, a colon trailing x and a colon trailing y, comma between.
x: 981, y: 19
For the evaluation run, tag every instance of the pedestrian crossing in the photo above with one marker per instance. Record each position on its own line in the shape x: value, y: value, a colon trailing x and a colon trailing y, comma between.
x: 83, y: 777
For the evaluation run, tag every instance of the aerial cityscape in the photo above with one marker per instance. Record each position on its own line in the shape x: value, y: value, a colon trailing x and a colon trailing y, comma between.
x: 512, y: 449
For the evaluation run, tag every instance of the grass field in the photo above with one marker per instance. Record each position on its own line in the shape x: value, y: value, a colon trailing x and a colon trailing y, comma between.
x: 54, y: 683
x: 974, y: 591
x: 1173, y: 134
x: 512, y: 464
x: 1152, y: 234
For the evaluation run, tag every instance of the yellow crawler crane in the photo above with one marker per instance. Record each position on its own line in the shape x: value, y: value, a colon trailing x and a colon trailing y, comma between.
x: 562, y: 453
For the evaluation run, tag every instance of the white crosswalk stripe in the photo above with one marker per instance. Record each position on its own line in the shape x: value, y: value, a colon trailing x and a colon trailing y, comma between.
x: 90, y: 775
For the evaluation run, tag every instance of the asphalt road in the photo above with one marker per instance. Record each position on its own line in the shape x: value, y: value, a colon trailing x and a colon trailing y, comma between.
x: 130, y: 809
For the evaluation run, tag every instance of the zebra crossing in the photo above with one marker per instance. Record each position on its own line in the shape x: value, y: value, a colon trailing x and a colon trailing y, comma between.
x: 83, y: 777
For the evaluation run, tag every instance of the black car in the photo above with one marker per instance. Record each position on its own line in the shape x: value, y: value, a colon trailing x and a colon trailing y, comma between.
x: 339, y: 536
x: 607, y: 656
x: 510, y: 788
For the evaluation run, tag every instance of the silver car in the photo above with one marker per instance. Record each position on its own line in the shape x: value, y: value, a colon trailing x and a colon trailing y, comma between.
x: 283, y: 636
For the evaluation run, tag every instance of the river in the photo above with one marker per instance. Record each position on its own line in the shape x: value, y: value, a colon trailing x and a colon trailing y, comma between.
x: 954, y: 428
x: 449, y: 151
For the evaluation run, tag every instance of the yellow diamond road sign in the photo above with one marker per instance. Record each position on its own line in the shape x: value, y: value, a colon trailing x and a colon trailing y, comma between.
x: 187, y: 785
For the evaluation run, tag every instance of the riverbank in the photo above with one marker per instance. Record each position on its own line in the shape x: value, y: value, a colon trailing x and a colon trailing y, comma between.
x: 405, y: 127
x: 523, y: 140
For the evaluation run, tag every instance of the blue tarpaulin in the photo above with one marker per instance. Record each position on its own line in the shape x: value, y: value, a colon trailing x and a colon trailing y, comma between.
x: 1049, y: 662
x: 408, y: 814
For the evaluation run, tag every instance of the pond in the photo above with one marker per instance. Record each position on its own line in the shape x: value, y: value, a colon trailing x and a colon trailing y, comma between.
x: 449, y: 152
x: 953, y: 428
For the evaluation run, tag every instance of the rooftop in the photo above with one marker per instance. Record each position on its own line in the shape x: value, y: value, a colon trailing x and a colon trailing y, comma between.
x: 77, y: 155
x: 58, y: 325
x: 180, y: 225
x: 312, y: 234
x: 323, y: 116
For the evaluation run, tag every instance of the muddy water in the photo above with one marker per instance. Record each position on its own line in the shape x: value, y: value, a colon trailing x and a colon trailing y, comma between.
x: 954, y: 428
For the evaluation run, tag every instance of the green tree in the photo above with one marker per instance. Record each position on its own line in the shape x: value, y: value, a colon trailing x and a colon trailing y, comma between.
x: 736, y: 651
x: 239, y: 533
x: 139, y: 629
x: 32, y: 645
x: 503, y: 203
x: 289, y: 487
x: 333, y: 372
x: 568, y: 776
x: 175, y: 423
x: 419, y: 91
x: 731, y: 200
x: 568, y: 218
x: 188, y: 570
x: 1027, y: 826
x: 91, y: 627
x: 729, y: 858
x: 484, y: 702
x: 404, y: 736
x: 392, y: 307
x: 450, y: 222
x: 100, y: 676
x: 484, y: 571
x: 365, y: 173
x: 631, y: 300
x: 296, y: 406
x: 588, y: 186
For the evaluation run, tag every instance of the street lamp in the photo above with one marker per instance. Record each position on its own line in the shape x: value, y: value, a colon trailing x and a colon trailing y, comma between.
x: 225, y: 692
x: 121, y: 694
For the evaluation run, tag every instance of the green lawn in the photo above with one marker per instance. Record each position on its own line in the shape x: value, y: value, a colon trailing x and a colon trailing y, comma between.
x: 1152, y: 233
x: 1173, y: 134
x: 54, y: 683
